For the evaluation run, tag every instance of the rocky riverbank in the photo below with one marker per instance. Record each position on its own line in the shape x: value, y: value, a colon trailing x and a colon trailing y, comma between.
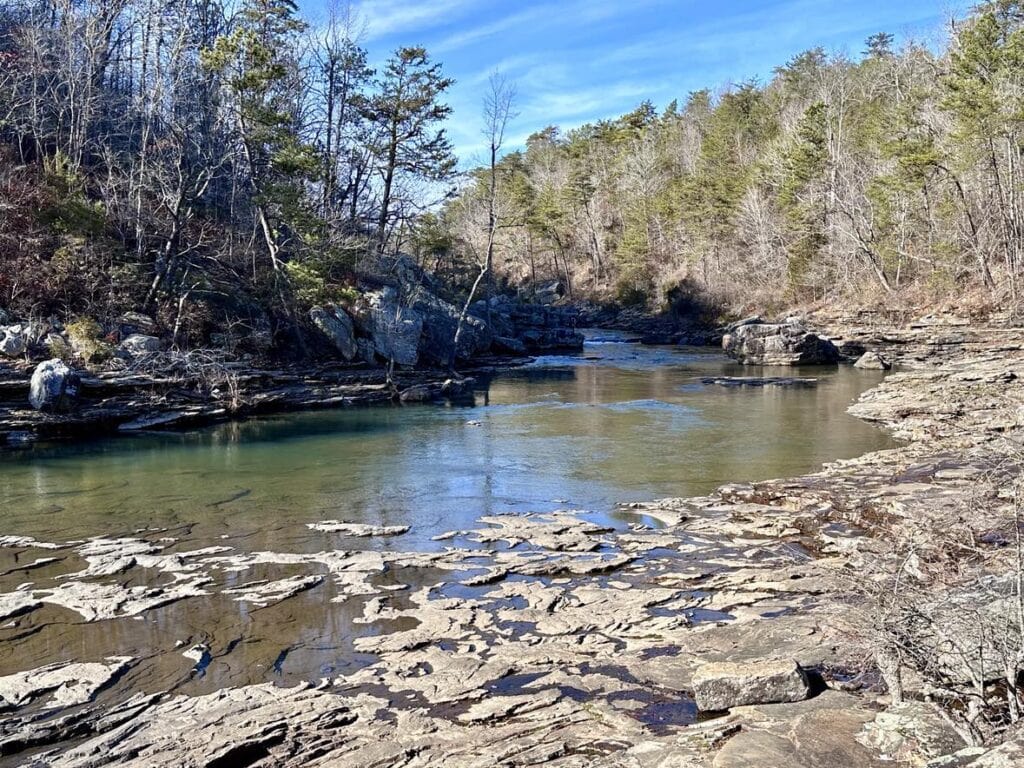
x: 395, y: 340
x: 564, y: 642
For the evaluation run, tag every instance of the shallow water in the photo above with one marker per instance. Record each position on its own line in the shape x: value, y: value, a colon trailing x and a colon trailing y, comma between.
x: 620, y: 422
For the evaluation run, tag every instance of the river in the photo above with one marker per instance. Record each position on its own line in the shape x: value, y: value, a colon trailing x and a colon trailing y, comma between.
x: 617, y: 423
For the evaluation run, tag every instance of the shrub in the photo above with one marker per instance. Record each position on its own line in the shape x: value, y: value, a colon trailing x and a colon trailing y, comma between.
x: 86, y: 340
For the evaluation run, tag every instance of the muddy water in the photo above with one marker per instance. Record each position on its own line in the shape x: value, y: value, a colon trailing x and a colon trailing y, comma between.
x: 620, y: 422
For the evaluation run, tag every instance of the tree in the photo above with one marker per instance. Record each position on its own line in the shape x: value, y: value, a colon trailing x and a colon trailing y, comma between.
x: 497, y: 113
x: 260, y: 80
x: 405, y: 110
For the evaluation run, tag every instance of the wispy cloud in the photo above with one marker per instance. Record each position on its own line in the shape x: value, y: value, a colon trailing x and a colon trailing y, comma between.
x: 578, y: 61
x: 391, y: 17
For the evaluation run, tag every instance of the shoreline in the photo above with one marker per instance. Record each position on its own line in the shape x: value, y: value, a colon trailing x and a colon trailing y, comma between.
x: 606, y: 647
x: 114, y: 404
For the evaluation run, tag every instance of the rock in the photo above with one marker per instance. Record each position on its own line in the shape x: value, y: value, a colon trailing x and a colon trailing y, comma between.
x: 551, y: 339
x: 509, y: 346
x: 813, y: 739
x: 358, y: 529
x: 66, y: 683
x: 394, y: 328
x: 723, y: 685
x: 16, y: 603
x: 778, y: 344
x: 335, y: 323
x: 852, y: 349
x: 421, y: 393
x: 136, y: 322
x: 419, y: 295
x: 440, y: 322
x: 549, y: 293
x: 12, y: 341
x: 138, y: 344
x: 1009, y: 754
x: 759, y: 381
x: 54, y: 387
x: 872, y: 361
x: 910, y: 732
x: 264, y: 593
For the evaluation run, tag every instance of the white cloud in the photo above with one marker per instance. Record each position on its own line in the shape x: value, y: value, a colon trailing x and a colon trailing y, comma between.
x: 389, y: 17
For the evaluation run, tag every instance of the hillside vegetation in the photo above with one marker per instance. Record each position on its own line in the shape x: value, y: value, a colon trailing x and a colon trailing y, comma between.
x: 226, y: 168
x: 895, y: 176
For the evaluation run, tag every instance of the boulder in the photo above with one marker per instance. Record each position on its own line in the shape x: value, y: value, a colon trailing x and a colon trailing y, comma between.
x: 549, y: 293
x: 136, y: 322
x: 872, y: 361
x: 754, y: 343
x: 421, y: 393
x: 551, y: 339
x: 498, y: 313
x: 54, y: 387
x: 851, y: 349
x: 428, y: 393
x: 911, y: 732
x: 394, y: 329
x: 723, y: 685
x: 12, y: 341
x: 440, y: 321
x: 335, y: 323
x: 139, y: 344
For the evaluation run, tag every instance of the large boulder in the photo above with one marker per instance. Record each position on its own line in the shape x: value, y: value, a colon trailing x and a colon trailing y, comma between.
x: 755, y: 343
x: 420, y: 294
x: 395, y: 329
x: 12, y: 341
x: 54, y: 387
x: 723, y: 685
x: 335, y: 323
x: 440, y: 322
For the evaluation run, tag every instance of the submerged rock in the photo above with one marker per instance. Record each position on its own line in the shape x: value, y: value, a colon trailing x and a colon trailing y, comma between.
x: 723, y: 685
x: 54, y: 387
x: 756, y: 343
x: 760, y: 381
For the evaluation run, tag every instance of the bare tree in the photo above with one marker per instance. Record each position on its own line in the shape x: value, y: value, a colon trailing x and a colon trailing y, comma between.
x: 497, y: 114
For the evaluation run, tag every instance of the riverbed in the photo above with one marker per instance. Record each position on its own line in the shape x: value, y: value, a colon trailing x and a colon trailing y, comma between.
x: 619, y: 422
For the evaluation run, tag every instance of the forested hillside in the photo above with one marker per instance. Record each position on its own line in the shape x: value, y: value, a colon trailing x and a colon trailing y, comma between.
x: 221, y: 167
x: 897, y: 172
x: 224, y: 168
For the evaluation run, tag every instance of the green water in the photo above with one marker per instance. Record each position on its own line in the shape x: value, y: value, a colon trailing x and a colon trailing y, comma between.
x: 618, y: 423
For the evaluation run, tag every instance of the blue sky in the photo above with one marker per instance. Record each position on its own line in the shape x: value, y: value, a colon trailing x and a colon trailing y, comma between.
x: 577, y: 61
